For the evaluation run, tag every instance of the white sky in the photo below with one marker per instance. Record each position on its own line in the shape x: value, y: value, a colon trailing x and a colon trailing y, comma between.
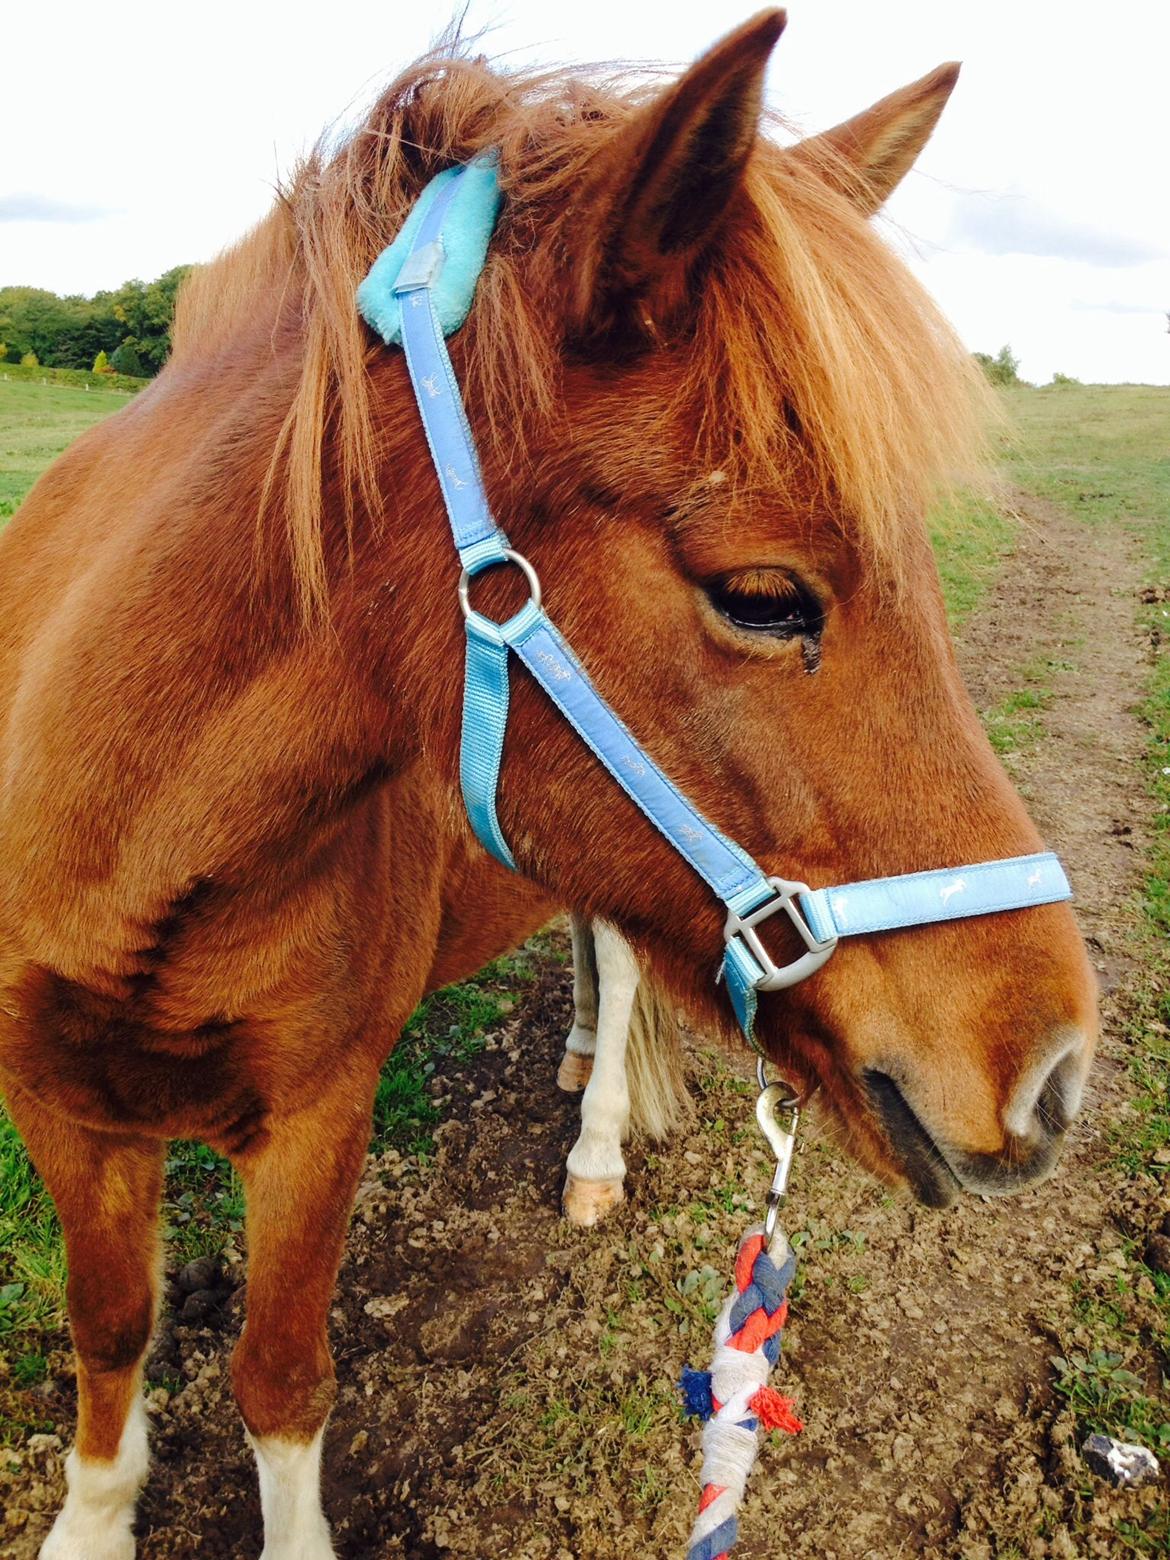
x: 1038, y: 214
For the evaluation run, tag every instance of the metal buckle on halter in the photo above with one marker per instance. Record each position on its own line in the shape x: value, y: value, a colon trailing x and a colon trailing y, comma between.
x: 777, y: 977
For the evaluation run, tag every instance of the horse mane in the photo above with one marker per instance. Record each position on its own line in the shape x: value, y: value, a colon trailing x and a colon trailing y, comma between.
x: 814, y: 348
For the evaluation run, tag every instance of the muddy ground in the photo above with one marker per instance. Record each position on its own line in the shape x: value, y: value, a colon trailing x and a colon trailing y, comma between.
x: 506, y: 1382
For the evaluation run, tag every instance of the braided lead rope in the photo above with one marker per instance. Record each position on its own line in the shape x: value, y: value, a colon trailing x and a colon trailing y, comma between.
x: 733, y: 1397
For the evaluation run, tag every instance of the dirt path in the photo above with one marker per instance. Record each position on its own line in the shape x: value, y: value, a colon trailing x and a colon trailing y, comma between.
x: 506, y: 1382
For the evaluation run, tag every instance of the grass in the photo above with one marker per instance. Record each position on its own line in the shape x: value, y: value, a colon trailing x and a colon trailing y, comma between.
x: 970, y: 537
x: 1014, y: 723
x: 36, y: 423
x: 1100, y: 452
x: 1103, y: 455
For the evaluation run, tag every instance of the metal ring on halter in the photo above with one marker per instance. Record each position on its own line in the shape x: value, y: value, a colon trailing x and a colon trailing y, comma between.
x: 509, y: 556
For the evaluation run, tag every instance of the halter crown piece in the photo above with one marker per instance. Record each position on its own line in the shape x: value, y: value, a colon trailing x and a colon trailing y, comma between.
x: 419, y: 290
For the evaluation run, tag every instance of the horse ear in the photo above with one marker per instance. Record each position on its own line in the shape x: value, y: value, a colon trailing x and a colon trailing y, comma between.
x: 868, y: 156
x: 664, y: 183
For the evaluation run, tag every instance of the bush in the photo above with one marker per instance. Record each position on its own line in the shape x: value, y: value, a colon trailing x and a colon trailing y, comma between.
x: 77, y: 378
x: 1002, y: 369
x: 1063, y: 379
x: 127, y: 361
x: 101, y: 363
x: 30, y: 360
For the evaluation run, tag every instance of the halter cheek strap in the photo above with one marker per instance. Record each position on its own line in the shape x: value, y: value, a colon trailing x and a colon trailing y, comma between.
x: 419, y: 290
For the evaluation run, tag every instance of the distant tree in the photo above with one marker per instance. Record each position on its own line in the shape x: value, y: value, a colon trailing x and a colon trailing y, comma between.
x: 69, y: 332
x: 101, y: 363
x: 126, y: 359
x: 1002, y: 369
x: 30, y: 360
x: 1064, y: 379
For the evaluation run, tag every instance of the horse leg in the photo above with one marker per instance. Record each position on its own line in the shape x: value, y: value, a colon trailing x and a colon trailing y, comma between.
x: 596, y: 1169
x: 299, y: 1183
x: 581, y: 1045
x: 106, y: 1186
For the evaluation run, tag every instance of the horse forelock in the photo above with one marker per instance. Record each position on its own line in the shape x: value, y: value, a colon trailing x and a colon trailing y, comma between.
x: 812, y: 366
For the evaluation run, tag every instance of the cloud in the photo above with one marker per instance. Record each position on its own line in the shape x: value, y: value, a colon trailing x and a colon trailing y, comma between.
x: 1116, y: 306
x: 1018, y: 226
x: 43, y: 208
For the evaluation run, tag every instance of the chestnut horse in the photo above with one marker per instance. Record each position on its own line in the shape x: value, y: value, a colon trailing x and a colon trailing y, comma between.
x: 711, y: 408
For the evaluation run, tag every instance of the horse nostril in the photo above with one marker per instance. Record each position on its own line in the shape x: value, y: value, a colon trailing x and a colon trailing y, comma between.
x: 1048, y: 1096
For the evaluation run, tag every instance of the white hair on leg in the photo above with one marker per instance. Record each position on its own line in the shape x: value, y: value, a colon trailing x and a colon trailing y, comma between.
x: 96, y: 1520
x: 581, y: 1044
x: 290, y: 1498
x: 596, y: 1169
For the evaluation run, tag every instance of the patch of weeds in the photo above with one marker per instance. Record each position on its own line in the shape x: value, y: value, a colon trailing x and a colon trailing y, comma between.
x: 1013, y: 724
x: 32, y: 1260
x: 1151, y: 1537
x: 970, y: 537
x: 1107, y: 1397
x: 819, y: 1236
x: 29, y: 1370
x: 641, y: 1408
x: 203, y: 1208
x: 444, y: 1032
x: 611, y: 1334
x: 15, y: 1429
x: 650, y: 1490
x: 707, y: 1287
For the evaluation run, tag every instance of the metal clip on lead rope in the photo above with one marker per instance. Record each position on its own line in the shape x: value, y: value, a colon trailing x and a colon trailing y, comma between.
x: 778, y: 1113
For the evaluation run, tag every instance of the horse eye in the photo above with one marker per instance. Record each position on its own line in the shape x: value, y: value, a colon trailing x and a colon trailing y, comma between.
x: 768, y: 604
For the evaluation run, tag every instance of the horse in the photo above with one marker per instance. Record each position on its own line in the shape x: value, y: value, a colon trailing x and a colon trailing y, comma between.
x: 712, y: 407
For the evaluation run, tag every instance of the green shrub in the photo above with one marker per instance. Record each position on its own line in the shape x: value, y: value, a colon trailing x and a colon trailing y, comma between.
x: 127, y: 361
x: 80, y: 378
x: 30, y: 360
x: 101, y: 363
x: 1002, y: 369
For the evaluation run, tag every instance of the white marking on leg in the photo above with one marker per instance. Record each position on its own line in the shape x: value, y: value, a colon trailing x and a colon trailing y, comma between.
x: 605, y: 1106
x: 96, y: 1520
x: 290, y: 1498
x: 582, y: 1039
x: 581, y: 1042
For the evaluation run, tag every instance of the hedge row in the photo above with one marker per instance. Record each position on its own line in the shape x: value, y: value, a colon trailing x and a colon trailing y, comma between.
x: 70, y: 376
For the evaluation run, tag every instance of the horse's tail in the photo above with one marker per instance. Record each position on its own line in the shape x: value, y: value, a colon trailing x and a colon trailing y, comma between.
x: 655, y: 1072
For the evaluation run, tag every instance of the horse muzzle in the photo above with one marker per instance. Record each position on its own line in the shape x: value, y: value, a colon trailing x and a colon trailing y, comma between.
x: 1034, y: 1121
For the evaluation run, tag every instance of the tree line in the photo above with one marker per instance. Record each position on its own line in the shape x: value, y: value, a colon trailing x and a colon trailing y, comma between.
x: 127, y: 331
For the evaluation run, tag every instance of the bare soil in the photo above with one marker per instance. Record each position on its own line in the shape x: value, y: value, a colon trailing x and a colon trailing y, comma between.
x: 506, y: 1382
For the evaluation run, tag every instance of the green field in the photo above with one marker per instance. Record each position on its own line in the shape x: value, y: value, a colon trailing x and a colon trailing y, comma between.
x: 1100, y: 453
x: 36, y: 423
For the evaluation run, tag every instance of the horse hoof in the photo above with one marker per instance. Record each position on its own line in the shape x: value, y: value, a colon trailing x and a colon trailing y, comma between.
x: 587, y: 1202
x: 87, y: 1540
x: 574, y: 1072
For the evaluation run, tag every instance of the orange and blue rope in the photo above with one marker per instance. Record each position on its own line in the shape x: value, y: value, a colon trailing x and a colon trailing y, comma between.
x: 734, y: 1397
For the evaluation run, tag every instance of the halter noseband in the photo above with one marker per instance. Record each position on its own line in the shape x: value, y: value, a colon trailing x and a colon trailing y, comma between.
x: 418, y: 291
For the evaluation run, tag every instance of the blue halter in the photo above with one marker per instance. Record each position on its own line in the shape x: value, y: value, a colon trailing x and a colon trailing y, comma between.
x: 419, y: 290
